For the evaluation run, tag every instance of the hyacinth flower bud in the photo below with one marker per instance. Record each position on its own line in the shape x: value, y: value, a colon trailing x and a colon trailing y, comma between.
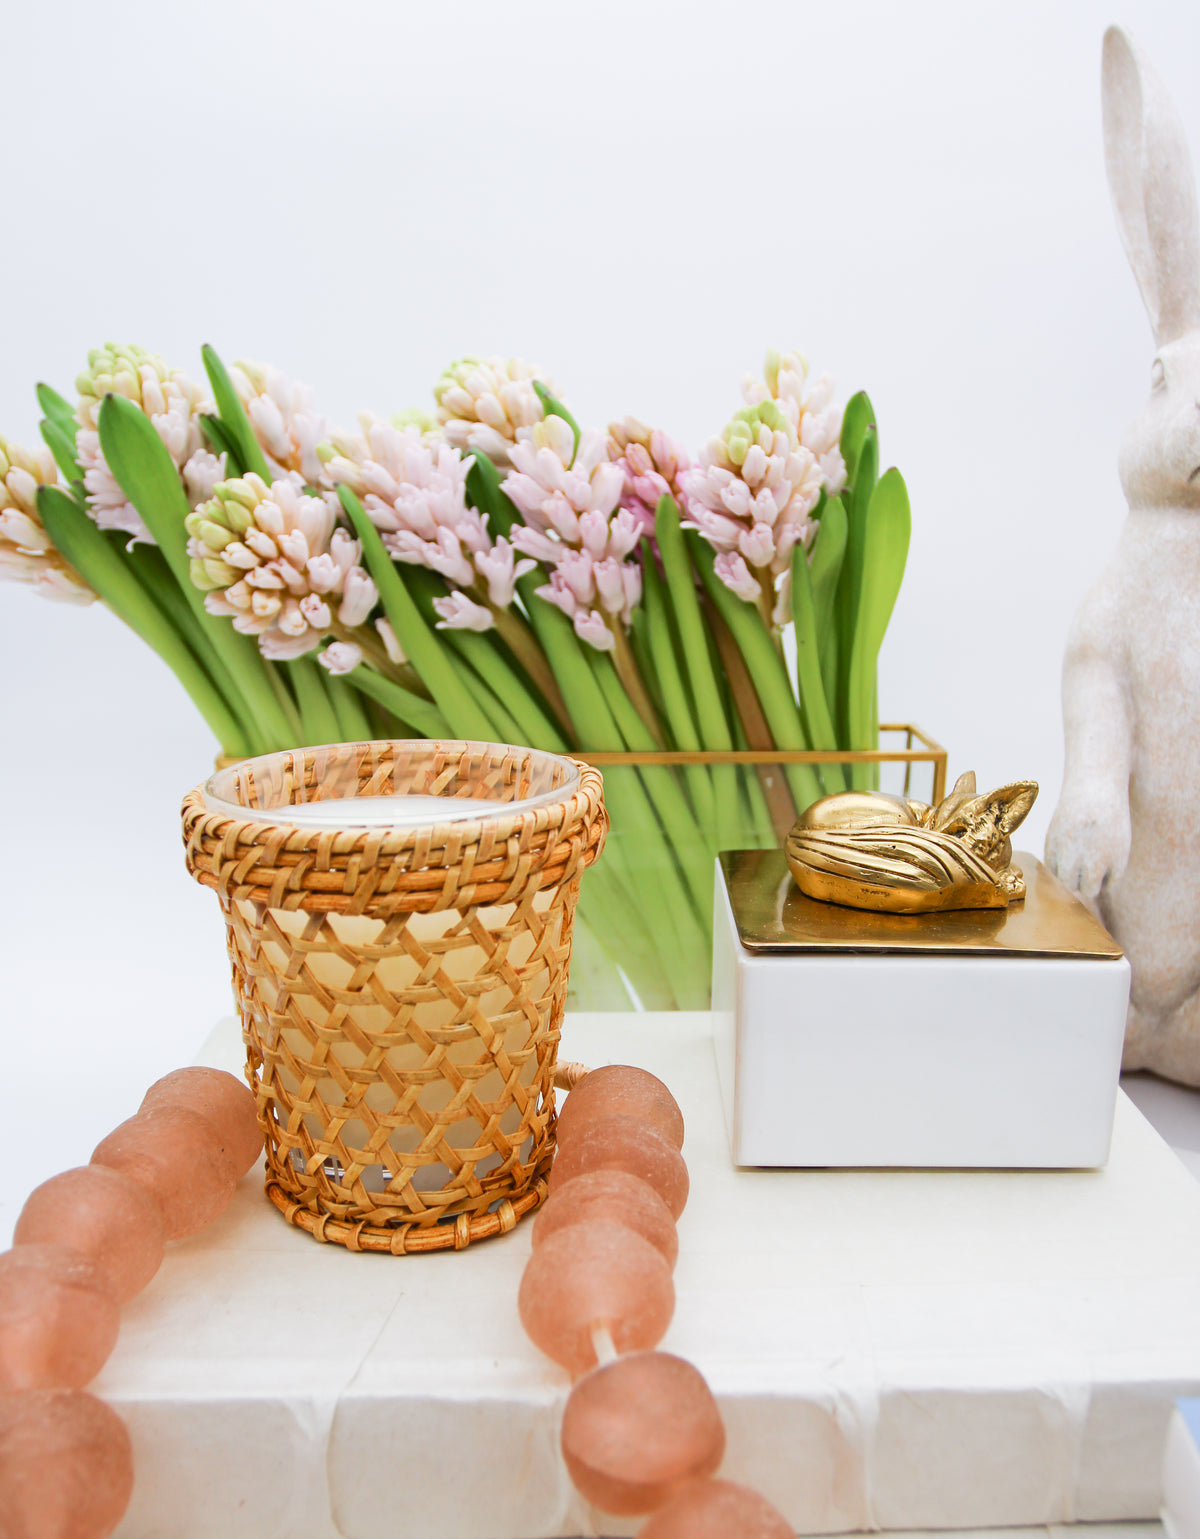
x: 27, y: 553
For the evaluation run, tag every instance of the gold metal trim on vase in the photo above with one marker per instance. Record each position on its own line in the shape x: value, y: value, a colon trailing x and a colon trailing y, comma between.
x: 929, y: 752
x: 919, y: 748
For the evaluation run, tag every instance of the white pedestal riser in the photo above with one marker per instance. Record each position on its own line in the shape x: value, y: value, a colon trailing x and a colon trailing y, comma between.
x: 915, y: 1061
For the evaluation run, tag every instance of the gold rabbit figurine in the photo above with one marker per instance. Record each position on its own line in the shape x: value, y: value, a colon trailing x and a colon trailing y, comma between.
x: 866, y: 849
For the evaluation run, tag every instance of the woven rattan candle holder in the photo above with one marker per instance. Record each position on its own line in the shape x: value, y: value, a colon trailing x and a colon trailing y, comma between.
x: 401, y: 987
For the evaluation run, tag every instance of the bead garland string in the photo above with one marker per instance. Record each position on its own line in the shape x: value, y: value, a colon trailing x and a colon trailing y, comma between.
x: 86, y: 1242
x: 641, y: 1432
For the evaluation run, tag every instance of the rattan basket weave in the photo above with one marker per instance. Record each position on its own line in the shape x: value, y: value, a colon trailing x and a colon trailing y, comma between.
x: 401, y: 990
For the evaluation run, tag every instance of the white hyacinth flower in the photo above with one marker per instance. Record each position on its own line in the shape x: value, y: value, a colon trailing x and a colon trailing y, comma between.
x: 482, y: 403
x: 174, y: 405
x: 458, y: 613
x: 651, y: 463
x: 396, y: 653
x: 750, y: 497
x: 569, y: 498
x: 807, y: 403
x: 284, y: 417
x: 413, y: 489
x: 27, y: 553
x: 340, y: 657
x: 272, y: 558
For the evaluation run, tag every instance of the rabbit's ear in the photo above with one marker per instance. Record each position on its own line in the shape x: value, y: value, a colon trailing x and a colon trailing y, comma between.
x: 1153, y: 187
x: 985, y: 822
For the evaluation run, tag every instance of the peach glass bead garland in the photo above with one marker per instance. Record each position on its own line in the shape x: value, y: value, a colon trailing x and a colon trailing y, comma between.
x: 86, y: 1242
x: 641, y: 1432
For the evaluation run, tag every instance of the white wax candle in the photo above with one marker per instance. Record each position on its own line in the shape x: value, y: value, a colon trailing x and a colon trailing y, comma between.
x: 384, y: 811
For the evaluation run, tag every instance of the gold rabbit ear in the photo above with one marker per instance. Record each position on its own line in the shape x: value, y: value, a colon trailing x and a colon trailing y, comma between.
x: 983, y: 823
x: 964, y: 790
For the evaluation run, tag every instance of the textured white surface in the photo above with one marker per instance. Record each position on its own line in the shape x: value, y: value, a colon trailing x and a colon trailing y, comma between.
x: 850, y: 1060
x: 908, y: 1350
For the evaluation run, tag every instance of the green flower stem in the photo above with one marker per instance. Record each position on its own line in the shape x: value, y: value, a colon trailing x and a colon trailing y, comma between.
x: 665, y: 666
x: 149, y: 566
x: 808, y: 668
x: 656, y: 885
x: 86, y: 549
x: 706, y: 692
x: 417, y: 716
x: 611, y: 913
x: 635, y: 689
x: 565, y: 654
x: 749, y: 782
x: 318, y: 720
x: 640, y: 643
x: 287, y: 701
x: 353, y: 723
x: 452, y: 698
x: 766, y: 668
x: 486, y: 493
x: 533, y: 724
x: 886, y: 532
x: 498, y: 690
x: 521, y: 642
x: 502, y: 726
x: 147, y: 475
x: 233, y: 416
x: 683, y: 836
x: 593, y: 973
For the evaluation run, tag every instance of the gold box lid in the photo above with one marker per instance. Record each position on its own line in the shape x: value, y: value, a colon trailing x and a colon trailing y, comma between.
x: 772, y: 914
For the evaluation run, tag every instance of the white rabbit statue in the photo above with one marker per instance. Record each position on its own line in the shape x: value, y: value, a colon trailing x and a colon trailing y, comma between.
x: 1126, y: 832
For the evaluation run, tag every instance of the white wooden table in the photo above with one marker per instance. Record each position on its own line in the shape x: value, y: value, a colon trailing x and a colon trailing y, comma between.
x: 896, y: 1350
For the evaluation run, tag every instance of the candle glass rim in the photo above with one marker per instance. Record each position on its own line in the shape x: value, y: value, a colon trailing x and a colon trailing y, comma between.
x: 292, y: 814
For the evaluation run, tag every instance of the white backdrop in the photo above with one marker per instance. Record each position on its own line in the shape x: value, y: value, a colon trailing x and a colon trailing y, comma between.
x: 642, y: 199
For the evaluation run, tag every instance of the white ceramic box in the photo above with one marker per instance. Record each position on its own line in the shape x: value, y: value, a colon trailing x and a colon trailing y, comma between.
x: 984, y: 1039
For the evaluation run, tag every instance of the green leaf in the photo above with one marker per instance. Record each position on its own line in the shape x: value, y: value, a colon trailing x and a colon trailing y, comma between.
x: 665, y: 667
x: 59, y: 411
x: 146, y: 473
x: 886, y: 538
x: 485, y: 491
x: 413, y: 712
x: 62, y: 446
x: 684, y: 606
x: 99, y: 564
x: 765, y: 667
x: 808, y: 668
x: 419, y: 642
x: 825, y: 569
x: 858, y: 416
x: 353, y: 724
x: 319, y: 722
x: 850, y: 583
x: 221, y: 441
x: 233, y: 416
x: 555, y: 408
